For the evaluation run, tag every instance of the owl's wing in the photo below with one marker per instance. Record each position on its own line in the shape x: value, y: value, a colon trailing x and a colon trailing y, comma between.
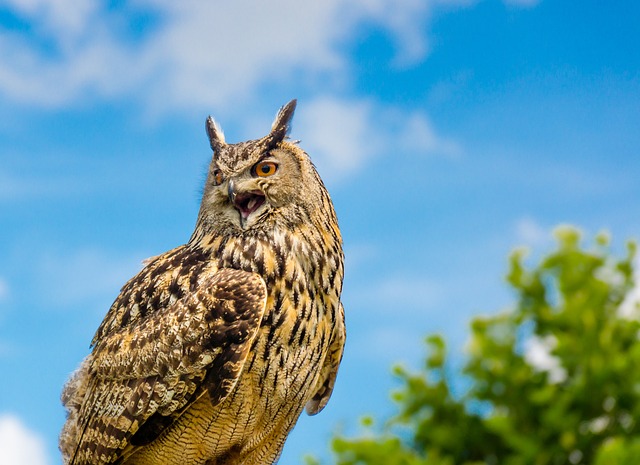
x: 327, y: 379
x: 143, y: 376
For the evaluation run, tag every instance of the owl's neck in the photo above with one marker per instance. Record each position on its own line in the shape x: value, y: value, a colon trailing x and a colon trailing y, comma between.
x: 276, y: 252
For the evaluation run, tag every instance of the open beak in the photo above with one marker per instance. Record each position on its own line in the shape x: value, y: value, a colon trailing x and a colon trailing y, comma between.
x: 246, y: 202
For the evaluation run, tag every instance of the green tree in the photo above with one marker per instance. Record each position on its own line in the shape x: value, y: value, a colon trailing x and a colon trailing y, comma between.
x: 555, y: 380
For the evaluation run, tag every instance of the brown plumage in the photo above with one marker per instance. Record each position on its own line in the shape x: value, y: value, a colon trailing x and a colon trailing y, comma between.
x: 211, y: 352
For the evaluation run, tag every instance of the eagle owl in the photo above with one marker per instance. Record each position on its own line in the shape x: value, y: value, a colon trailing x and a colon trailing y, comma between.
x: 212, y: 351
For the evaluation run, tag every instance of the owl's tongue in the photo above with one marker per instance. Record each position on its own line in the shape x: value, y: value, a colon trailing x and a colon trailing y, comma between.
x: 248, y: 202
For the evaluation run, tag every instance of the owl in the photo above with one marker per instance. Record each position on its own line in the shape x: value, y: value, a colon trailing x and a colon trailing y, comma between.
x: 212, y: 351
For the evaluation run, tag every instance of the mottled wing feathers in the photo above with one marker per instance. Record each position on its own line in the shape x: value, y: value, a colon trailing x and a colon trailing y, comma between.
x: 165, y: 279
x: 327, y: 379
x: 153, y: 369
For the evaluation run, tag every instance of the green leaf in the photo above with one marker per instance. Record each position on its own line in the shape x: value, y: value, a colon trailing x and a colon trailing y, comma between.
x: 554, y: 380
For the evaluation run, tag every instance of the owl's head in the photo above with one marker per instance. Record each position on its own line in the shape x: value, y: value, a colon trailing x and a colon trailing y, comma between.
x: 258, y: 183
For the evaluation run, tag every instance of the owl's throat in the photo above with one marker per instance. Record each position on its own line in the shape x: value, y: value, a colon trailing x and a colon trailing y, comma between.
x: 248, y: 202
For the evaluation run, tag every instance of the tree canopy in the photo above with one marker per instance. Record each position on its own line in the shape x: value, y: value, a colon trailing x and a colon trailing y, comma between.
x: 554, y: 380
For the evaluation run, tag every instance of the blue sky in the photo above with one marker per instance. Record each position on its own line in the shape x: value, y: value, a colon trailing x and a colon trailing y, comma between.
x: 448, y: 132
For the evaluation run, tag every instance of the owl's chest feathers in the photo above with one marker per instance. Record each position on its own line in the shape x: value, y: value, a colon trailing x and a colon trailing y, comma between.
x: 303, y: 284
x: 299, y: 268
x: 302, y: 271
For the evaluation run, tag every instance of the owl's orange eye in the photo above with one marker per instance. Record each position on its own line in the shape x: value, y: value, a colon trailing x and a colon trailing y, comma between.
x: 217, y: 177
x: 265, y: 168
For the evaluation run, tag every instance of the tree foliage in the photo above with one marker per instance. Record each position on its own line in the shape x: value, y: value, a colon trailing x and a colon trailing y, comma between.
x: 554, y: 380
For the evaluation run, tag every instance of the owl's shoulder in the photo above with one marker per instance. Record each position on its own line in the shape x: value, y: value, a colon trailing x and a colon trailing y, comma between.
x: 164, y: 279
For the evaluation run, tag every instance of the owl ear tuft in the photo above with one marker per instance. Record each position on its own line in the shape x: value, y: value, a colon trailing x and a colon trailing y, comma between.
x: 216, y: 136
x: 282, y: 124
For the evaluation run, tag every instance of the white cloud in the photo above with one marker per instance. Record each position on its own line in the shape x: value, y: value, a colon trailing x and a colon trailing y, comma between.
x: 56, y: 16
x: 531, y: 233
x: 537, y: 353
x: 193, y: 53
x: 82, y: 57
x: 338, y: 134
x: 407, y: 24
x: 19, y: 445
x: 196, y: 53
x: 341, y: 134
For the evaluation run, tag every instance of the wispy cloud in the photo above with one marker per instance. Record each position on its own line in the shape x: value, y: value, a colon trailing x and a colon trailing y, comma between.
x: 530, y: 232
x: 191, y: 53
x: 19, y: 445
x: 341, y: 134
x: 66, y: 51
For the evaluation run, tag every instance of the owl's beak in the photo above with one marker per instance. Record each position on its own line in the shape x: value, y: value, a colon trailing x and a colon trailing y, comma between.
x: 246, y: 202
x: 231, y: 191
